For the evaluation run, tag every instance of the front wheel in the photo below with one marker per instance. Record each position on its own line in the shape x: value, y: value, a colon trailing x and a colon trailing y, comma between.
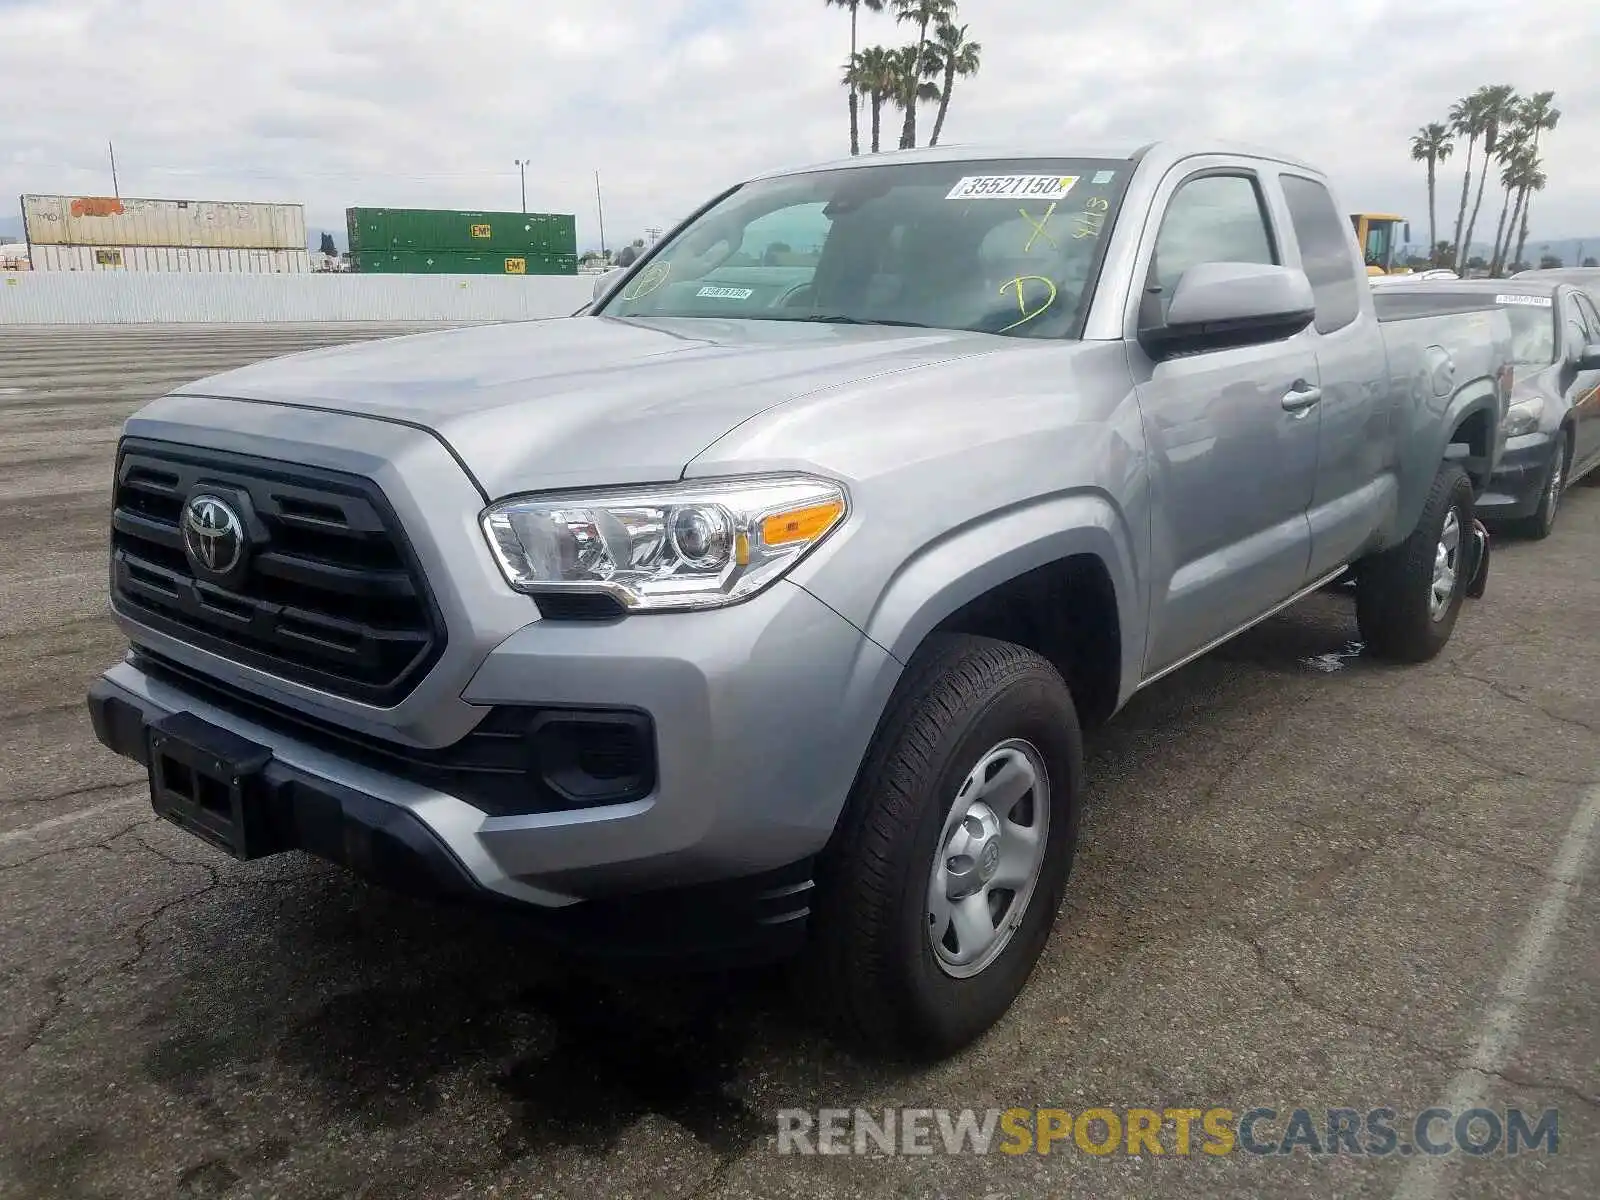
x: 940, y: 887
x: 1543, y: 521
x: 1408, y: 597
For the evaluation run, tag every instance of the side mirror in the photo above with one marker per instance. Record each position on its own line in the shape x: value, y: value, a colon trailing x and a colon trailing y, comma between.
x: 603, y: 282
x: 1221, y: 304
x: 1588, y: 358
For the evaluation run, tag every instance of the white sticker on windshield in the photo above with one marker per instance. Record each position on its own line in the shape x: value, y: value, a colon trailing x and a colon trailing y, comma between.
x: 1012, y: 187
x: 1536, y: 301
x: 726, y: 293
x: 1103, y: 177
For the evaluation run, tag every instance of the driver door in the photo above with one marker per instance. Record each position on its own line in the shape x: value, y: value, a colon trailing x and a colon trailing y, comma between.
x: 1233, y: 452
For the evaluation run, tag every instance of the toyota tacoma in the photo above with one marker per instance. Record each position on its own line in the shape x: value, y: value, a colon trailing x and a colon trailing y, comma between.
x: 757, y: 608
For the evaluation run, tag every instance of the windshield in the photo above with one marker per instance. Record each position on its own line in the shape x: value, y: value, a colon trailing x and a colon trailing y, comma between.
x: 1533, y: 329
x: 1007, y: 247
x: 1380, y: 242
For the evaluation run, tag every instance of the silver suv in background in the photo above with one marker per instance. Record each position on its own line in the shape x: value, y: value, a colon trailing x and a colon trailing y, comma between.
x: 760, y: 608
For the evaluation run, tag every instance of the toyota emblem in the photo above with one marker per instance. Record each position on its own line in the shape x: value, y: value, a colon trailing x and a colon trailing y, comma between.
x: 213, y: 534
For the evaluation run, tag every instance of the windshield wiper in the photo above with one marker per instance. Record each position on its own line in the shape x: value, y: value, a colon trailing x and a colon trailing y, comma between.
x: 841, y: 319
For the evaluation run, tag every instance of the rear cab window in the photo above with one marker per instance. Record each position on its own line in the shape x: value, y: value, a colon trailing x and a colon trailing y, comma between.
x: 1325, y: 255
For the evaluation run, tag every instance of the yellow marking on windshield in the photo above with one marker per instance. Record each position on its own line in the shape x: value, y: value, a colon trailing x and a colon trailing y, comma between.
x: 651, y: 278
x: 1022, y: 304
x: 1038, y: 228
x: 1088, y: 224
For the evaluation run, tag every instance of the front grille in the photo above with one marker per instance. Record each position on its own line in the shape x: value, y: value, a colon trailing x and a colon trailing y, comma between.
x: 331, y: 595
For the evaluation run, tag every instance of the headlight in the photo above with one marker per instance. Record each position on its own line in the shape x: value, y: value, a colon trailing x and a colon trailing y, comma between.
x: 1523, y: 417
x: 674, y: 546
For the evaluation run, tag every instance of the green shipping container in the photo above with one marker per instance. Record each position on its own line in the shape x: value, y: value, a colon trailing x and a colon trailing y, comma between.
x: 461, y: 262
x: 461, y: 230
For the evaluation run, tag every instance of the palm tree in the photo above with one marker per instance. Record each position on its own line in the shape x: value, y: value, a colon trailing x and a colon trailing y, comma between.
x: 1515, y: 155
x: 909, y: 83
x: 854, y: 6
x: 1466, y: 121
x: 921, y: 13
x: 1533, y: 181
x: 1520, y: 155
x: 1432, y: 145
x: 1537, y: 114
x: 876, y: 73
x: 1499, y: 109
x: 952, y: 55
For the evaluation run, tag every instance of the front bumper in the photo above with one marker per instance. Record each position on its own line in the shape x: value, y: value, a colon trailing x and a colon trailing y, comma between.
x: 1517, y: 484
x: 761, y: 714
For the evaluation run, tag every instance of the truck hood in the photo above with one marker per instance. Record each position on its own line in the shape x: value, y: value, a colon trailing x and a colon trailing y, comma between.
x: 580, y: 401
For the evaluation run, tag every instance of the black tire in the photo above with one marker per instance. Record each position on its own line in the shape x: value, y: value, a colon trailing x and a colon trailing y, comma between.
x: 1541, y: 524
x: 1394, y: 588
x: 873, y: 967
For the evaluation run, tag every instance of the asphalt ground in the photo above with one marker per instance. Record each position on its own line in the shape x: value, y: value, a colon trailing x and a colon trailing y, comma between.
x: 1304, y: 882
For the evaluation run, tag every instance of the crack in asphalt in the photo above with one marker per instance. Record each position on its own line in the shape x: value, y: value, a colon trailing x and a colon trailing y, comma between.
x: 1300, y: 994
x: 85, y: 790
x: 56, y: 985
x: 1472, y: 754
x: 141, y: 931
x: 1519, y: 698
x: 1520, y: 1079
x: 78, y: 847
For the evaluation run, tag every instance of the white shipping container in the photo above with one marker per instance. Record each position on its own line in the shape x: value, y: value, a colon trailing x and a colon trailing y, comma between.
x: 193, y: 259
x: 111, y: 221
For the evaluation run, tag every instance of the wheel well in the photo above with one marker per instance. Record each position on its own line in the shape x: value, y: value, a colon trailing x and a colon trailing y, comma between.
x: 1065, y: 611
x: 1476, y: 432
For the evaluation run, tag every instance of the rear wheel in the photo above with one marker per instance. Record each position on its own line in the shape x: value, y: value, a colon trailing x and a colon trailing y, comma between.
x: 1543, y: 521
x: 941, y: 885
x: 1409, y: 596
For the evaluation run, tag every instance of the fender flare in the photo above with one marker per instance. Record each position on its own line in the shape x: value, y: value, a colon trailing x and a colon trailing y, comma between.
x: 974, y: 558
x: 1428, y: 444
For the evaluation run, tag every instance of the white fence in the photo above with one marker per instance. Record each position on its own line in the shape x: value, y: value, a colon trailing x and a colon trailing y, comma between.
x: 105, y: 298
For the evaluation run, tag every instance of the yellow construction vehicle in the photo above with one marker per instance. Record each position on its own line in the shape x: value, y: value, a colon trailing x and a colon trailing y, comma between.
x: 1379, y: 244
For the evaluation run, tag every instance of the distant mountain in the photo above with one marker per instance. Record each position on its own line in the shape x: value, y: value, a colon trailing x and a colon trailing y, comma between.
x: 1571, y: 251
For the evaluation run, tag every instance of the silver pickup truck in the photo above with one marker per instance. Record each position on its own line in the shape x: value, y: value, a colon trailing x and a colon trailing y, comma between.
x: 759, y: 608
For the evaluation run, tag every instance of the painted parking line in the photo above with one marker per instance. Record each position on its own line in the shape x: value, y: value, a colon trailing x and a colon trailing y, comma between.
x: 1427, y: 1178
x: 71, y: 818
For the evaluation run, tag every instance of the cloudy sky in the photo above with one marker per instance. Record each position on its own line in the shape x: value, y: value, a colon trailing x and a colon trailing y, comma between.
x: 427, y: 102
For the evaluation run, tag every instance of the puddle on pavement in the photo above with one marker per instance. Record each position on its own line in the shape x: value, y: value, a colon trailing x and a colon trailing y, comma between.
x: 1328, y: 664
x: 610, y: 1061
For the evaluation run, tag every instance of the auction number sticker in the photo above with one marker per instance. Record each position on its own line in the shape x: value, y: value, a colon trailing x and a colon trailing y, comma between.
x: 1012, y: 187
x: 726, y: 293
x: 1535, y: 301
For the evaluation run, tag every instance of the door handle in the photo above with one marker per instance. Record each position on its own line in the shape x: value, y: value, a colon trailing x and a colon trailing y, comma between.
x: 1300, y: 398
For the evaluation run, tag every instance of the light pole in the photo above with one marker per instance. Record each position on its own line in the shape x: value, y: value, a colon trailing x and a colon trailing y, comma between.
x: 601, y: 212
x: 522, y: 173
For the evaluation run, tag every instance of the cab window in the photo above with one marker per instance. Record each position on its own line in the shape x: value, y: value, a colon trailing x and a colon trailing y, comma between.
x: 1212, y: 218
x: 1324, y: 252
